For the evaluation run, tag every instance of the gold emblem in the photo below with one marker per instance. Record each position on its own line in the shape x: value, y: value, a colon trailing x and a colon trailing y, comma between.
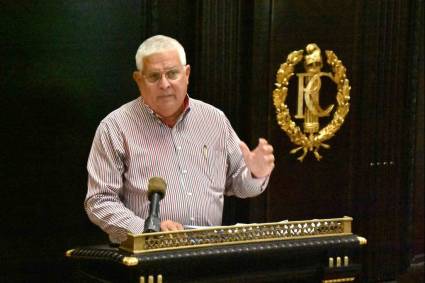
x: 308, y: 106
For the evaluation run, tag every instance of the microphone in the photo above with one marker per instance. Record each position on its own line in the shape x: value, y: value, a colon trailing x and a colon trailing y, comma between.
x: 156, y: 191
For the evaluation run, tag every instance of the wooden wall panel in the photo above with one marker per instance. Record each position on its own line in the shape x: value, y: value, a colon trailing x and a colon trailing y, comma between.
x: 311, y: 185
x: 364, y: 174
x: 415, y: 143
x: 65, y: 66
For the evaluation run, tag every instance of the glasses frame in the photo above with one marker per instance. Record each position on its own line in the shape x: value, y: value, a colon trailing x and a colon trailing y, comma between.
x: 164, y: 73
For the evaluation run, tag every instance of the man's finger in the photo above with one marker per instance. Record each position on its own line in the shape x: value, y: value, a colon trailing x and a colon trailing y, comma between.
x: 169, y: 225
x: 269, y: 158
x: 262, y: 141
x: 268, y: 148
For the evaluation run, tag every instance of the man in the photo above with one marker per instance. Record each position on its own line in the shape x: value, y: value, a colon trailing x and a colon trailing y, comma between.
x: 165, y: 133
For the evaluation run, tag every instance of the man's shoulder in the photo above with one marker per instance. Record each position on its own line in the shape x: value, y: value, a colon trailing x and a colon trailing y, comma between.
x: 120, y: 120
x: 123, y: 111
x: 202, y: 106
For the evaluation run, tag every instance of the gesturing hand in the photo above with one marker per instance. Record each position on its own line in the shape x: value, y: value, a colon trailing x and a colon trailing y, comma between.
x: 260, y: 161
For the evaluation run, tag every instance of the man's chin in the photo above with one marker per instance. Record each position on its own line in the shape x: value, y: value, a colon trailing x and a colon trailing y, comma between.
x: 168, y: 113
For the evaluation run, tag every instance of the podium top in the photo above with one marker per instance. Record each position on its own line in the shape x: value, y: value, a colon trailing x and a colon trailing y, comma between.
x: 237, y: 234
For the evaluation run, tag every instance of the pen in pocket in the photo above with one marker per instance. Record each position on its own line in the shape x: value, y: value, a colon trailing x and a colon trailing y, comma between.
x: 205, y: 151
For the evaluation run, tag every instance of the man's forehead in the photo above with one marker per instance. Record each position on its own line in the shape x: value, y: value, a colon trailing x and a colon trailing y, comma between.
x: 162, y: 60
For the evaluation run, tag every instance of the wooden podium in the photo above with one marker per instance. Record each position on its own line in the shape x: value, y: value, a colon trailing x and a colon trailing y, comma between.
x: 320, y: 250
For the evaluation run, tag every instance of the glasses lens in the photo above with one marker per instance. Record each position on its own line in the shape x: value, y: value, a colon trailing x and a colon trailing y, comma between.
x: 153, y: 77
x: 172, y: 75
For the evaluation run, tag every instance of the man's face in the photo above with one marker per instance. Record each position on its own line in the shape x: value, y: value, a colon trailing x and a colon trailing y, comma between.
x: 163, y: 83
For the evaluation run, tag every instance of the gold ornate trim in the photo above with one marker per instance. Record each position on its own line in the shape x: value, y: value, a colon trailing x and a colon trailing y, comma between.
x: 362, y: 240
x: 313, y: 141
x: 130, y: 261
x: 69, y: 252
x: 151, y: 279
x: 237, y: 234
x: 348, y: 279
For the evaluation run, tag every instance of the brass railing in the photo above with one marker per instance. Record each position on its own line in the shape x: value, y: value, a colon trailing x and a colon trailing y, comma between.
x: 237, y: 234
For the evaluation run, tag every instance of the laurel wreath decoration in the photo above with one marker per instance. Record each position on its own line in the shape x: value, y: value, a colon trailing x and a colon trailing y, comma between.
x: 313, y: 142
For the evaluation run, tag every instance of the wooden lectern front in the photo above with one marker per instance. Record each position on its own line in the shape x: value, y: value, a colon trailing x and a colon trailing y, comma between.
x: 320, y: 250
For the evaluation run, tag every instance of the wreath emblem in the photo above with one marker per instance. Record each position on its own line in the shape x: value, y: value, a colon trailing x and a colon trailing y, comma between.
x: 312, y: 138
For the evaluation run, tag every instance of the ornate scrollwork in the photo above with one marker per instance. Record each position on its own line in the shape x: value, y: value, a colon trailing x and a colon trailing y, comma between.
x: 313, y: 139
x: 237, y: 234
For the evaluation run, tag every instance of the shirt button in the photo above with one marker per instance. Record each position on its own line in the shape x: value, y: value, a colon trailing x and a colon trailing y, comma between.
x: 192, y: 219
x: 179, y: 147
x: 184, y: 171
x: 189, y: 193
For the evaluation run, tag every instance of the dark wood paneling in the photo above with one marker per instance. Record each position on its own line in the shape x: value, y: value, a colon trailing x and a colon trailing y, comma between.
x: 365, y: 173
x: 311, y: 185
x: 66, y: 65
x: 383, y: 83
x: 415, y: 132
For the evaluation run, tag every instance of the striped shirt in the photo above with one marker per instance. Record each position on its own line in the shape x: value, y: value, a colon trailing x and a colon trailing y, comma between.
x: 199, y: 159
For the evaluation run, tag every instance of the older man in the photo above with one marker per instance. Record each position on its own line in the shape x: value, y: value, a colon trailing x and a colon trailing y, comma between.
x: 164, y: 132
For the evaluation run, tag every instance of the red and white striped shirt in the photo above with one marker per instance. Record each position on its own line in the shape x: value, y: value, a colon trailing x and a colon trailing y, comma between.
x: 199, y: 159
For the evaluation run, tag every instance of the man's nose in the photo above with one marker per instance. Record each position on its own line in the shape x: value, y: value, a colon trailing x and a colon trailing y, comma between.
x: 163, y: 81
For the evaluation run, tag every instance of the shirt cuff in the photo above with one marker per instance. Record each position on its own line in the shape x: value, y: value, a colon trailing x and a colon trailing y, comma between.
x: 257, y: 181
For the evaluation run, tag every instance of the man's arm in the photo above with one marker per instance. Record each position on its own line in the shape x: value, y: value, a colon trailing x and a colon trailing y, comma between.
x: 249, y: 171
x: 105, y: 170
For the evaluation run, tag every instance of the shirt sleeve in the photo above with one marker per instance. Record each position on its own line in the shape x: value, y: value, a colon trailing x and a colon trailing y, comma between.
x: 240, y: 181
x: 105, y: 168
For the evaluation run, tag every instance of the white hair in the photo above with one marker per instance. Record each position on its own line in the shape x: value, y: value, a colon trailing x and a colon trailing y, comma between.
x: 156, y: 44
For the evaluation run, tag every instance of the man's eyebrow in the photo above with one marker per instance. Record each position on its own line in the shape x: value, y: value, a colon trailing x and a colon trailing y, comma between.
x: 165, y: 70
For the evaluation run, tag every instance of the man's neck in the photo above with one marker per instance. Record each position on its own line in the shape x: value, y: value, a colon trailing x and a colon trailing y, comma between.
x: 172, y: 120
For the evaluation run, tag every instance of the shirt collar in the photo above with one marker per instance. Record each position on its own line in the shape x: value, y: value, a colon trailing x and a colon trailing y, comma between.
x: 186, y: 103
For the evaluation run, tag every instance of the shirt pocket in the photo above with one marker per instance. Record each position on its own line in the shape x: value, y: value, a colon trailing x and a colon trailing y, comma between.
x: 216, y: 167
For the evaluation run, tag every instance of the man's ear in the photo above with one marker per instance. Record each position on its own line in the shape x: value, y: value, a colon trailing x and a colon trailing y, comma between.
x: 187, y: 70
x: 137, y: 77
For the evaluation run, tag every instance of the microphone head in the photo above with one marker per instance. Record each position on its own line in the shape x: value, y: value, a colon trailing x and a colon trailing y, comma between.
x: 156, y: 185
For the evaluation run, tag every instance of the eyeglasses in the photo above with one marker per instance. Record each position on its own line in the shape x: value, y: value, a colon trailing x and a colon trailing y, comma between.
x: 171, y: 75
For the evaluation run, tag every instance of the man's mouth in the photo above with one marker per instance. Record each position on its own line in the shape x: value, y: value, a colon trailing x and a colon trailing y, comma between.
x: 165, y: 96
